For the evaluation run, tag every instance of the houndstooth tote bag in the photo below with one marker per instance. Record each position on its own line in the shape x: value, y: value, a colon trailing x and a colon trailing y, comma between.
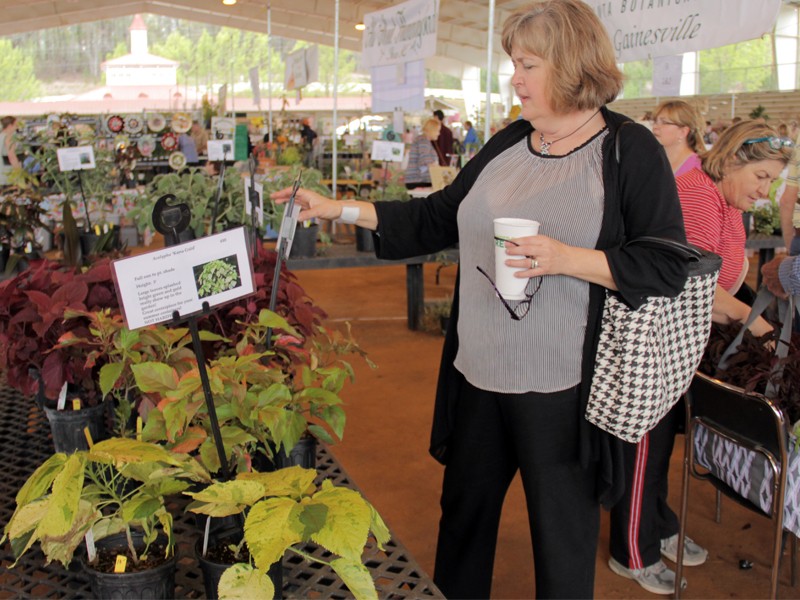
x: 647, y: 357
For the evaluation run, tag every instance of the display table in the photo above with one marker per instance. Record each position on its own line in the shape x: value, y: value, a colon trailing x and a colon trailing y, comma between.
x: 25, y: 444
x: 345, y: 256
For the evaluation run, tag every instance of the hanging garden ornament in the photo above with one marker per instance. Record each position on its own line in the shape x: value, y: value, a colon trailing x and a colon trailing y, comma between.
x: 169, y: 142
x: 156, y: 122
x: 115, y: 123
x: 181, y: 122
x: 133, y: 124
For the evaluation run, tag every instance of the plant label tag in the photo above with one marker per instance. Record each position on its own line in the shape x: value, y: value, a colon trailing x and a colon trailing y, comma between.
x: 139, y: 429
x: 120, y: 564
x: 88, y: 435
x: 76, y: 404
x: 62, y: 397
x: 91, y: 551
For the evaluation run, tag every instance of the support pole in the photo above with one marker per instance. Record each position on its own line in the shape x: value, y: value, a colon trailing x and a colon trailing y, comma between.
x: 489, y: 52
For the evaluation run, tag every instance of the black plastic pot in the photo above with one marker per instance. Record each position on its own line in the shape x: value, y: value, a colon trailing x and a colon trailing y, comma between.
x: 89, y: 241
x: 304, y: 454
x: 304, y: 244
x: 153, y: 584
x: 364, y: 241
x: 212, y: 571
x: 67, y: 427
x: 5, y: 252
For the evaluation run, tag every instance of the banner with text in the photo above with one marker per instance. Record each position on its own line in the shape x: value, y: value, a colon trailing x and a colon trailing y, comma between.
x: 641, y: 29
x: 403, y: 33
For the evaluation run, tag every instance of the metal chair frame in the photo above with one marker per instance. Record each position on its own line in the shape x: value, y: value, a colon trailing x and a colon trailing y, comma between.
x: 749, y: 420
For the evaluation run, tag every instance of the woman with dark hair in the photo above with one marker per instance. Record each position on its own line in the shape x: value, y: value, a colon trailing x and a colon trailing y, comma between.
x: 515, y: 375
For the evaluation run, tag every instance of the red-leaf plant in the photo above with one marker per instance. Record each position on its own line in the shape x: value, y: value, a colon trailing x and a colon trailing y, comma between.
x: 32, y: 306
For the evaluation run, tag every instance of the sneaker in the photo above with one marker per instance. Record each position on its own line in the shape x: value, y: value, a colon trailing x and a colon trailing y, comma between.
x: 657, y: 578
x: 693, y: 554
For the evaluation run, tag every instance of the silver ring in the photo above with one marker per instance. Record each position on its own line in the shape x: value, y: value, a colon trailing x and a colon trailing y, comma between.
x: 534, y: 263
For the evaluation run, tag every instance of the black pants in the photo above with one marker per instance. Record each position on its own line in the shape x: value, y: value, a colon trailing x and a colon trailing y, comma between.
x: 496, y: 434
x: 642, y: 518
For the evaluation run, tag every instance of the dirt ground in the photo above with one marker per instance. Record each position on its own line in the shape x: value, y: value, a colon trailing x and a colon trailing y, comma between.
x: 386, y: 440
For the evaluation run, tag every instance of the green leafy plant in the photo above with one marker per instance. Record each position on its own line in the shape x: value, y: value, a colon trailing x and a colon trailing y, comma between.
x: 215, y: 277
x: 197, y: 189
x: 118, y: 485
x: 278, y: 179
x: 767, y: 218
x: 285, y: 510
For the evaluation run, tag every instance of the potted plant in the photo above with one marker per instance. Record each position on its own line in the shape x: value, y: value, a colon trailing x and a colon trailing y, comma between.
x: 767, y: 218
x: 197, y: 189
x: 20, y: 217
x: 436, y: 317
x: 266, y: 401
x: 32, y: 307
x: 284, y: 510
x: 306, y: 234
x: 113, y: 492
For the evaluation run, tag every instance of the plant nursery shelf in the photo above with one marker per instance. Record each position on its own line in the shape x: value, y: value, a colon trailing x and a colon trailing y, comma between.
x: 25, y: 444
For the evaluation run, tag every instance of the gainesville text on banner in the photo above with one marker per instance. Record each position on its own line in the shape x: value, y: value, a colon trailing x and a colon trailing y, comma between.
x: 641, y: 29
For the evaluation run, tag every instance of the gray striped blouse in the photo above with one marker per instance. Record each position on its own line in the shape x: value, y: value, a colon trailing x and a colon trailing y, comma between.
x: 542, y: 352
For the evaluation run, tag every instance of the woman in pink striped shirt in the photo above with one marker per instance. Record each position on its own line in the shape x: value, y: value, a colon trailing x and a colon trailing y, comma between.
x: 735, y: 173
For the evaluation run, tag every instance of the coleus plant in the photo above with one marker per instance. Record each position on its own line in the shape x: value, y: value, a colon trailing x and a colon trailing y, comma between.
x: 32, y: 307
x: 284, y: 510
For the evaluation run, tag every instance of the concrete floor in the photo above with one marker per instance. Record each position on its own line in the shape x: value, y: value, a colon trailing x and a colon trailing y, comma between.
x: 385, y: 452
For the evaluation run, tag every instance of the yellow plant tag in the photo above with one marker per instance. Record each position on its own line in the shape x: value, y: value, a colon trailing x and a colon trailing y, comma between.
x: 76, y: 404
x: 97, y: 229
x: 139, y: 429
x: 88, y: 435
x: 121, y: 564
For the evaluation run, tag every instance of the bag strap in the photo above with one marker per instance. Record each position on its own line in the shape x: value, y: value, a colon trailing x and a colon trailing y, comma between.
x: 786, y: 310
x: 683, y: 250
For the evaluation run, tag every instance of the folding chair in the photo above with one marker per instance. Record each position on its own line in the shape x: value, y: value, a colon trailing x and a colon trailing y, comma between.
x: 750, y: 421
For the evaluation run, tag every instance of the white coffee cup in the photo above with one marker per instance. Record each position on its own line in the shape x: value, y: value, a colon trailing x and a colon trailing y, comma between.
x: 510, y: 287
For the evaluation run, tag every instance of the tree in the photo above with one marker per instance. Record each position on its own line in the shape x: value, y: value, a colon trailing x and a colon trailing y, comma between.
x: 743, y: 67
x: 17, y: 78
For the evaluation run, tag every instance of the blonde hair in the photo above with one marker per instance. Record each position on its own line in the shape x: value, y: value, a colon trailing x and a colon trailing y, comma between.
x: 731, y: 152
x: 430, y: 126
x: 684, y: 114
x: 572, y: 39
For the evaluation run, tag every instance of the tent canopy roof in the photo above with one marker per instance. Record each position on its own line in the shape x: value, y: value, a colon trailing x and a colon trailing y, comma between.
x: 461, y: 38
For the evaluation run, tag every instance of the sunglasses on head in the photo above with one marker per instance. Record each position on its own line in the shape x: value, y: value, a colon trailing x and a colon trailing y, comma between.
x: 776, y: 143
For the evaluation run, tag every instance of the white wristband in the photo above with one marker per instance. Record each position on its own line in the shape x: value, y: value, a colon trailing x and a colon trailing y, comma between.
x: 350, y: 214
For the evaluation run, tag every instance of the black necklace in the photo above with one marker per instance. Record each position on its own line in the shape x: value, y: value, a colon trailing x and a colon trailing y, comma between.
x: 545, y: 146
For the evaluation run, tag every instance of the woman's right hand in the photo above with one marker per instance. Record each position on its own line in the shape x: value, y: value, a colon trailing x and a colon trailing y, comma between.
x: 313, y: 205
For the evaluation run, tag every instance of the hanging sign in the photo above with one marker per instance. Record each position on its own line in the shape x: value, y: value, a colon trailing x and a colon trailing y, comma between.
x: 667, y: 72
x: 402, y: 33
x: 641, y: 29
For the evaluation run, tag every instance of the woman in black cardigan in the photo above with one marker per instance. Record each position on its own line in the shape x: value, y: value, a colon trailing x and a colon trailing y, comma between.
x: 513, y: 390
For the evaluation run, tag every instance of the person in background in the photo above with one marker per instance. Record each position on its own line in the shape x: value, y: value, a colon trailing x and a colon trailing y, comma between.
x: 445, y: 140
x: 781, y: 275
x: 734, y: 174
x: 309, y: 139
x: 643, y: 526
x: 200, y: 137
x: 186, y: 144
x: 8, y: 154
x: 422, y: 154
x: 515, y: 377
x: 677, y: 128
x: 471, y: 141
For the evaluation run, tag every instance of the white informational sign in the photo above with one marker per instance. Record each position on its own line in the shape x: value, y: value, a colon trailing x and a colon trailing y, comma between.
x: 402, y: 33
x: 255, y: 86
x: 390, y: 92
x: 302, y: 67
x: 222, y: 97
x: 388, y: 151
x: 220, y: 150
x: 248, y: 209
x: 76, y: 159
x: 667, y: 71
x: 641, y: 29
x: 152, y: 287
x: 288, y: 225
x: 222, y: 127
